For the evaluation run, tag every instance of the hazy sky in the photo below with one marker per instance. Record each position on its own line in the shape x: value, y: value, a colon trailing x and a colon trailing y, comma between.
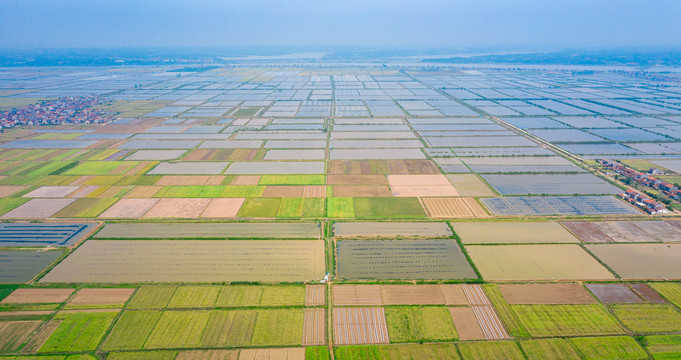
x: 366, y: 23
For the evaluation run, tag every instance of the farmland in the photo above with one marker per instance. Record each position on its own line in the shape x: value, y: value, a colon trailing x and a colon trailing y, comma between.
x: 458, y: 215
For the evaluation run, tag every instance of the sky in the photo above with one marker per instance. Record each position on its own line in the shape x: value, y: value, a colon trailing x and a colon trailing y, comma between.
x: 521, y: 24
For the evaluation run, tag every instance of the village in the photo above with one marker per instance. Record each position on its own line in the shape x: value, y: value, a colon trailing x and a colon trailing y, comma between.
x: 64, y: 110
x: 647, y: 179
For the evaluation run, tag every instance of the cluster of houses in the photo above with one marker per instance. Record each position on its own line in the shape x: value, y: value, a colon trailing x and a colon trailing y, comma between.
x: 647, y: 179
x: 65, y: 110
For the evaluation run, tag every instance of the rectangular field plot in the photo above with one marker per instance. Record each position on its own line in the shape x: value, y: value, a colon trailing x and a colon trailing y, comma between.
x: 211, y: 230
x: 402, y: 259
x: 569, y: 293
x: 155, y: 155
x: 359, y: 326
x: 184, y: 168
x: 206, y: 329
x: 566, y: 320
x: 558, y: 205
x: 641, y: 261
x: 452, y: 207
x: 391, y: 229
x: 22, y: 266
x: 48, y: 234
x: 290, y: 167
x: 563, y: 184
x: 512, y: 232
x: 415, y: 323
x: 191, y: 261
x: 624, y: 231
x: 397, y: 351
x: 536, y: 262
x: 470, y: 185
x: 38, y: 209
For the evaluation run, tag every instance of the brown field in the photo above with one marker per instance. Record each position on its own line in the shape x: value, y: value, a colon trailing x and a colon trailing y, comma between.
x: 357, y: 295
x: 6, y: 190
x: 273, y: 354
x: 450, y: 207
x: 412, y: 295
x: 356, y: 180
x: 208, y: 355
x: 359, y: 326
x: 191, y: 180
x: 115, y: 296
x: 624, y: 231
x: 490, y: 323
x: 38, y: 208
x: 381, y: 167
x: 391, y: 229
x: 641, y: 261
x: 142, y: 192
x: 647, y: 293
x: 361, y: 191
x: 248, y: 180
x: 182, y: 208
x: 223, y: 208
x: 38, y: 296
x: 5, y: 314
x: 454, y: 295
x: 123, y: 129
x: 418, y: 180
x: 314, y: 191
x: 423, y: 190
x: 82, y: 180
x: 314, y: 327
x: 39, y: 339
x: 536, y: 262
x: 13, y: 334
x: 83, y: 191
x: 512, y: 232
x: 614, y: 293
x: 222, y: 155
x: 466, y: 323
x: 283, y: 191
x: 470, y: 185
x: 315, y: 295
x: 191, y: 261
x: 546, y: 294
x: 129, y: 208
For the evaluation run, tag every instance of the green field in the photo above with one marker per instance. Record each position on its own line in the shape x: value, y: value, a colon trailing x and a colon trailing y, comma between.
x: 648, y: 318
x: 189, y: 191
x: 416, y: 323
x: 664, y: 347
x: 506, y: 350
x: 248, y: 295
x: 85, y: 208
x: 609, y: 348
x: 78, y: 331
x: 101, y: 167
x: 132, y: 330
x: 144, y: 329
x: 260, y: 207
x: 340, y: 207
x: 302, y: 208
x: 566, y: 320
x: 397, y: 352
x: 152, y: 297
x: 242, y: 191
x: 147, y: 355
x: 508, y: 317
x: 317, y: 353
x: 670, y: 291
x: 194, y: 297
x: 549, y: 349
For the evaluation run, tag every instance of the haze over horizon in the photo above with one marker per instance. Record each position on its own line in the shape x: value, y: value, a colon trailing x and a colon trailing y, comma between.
x: 403, y: 23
